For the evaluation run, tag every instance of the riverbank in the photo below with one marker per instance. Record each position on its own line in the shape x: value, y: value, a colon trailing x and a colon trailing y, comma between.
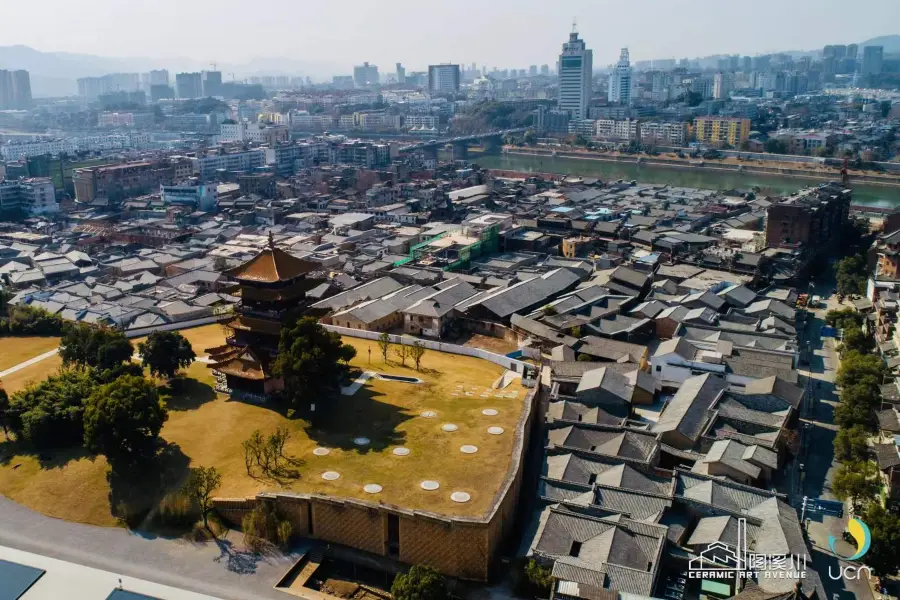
x: 821, y: 174
x: 699, y: 177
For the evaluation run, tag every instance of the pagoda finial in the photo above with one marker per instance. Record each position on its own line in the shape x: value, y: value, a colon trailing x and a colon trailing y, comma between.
x: 271, y: 240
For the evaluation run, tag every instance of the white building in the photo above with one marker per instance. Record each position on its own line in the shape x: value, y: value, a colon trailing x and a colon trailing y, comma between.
x: 663, y: 132
x: 576, y: 65
x: 260, y: 133
x: 618, y: 129
x: 200, y: 196
x: 34, y: 196
x: 29, y: 149
x: 443, y: 79
x: 206, y: 166
x: 620, y: 80
x: 721, y: 85
x: 306, y: 122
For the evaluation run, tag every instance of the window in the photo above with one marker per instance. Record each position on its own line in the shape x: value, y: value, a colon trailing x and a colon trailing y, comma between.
x: 592, y: 479
x: 575, y: 549
x: 658, y: 368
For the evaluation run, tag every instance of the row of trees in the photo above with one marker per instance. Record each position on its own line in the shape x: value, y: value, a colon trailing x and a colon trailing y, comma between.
x: 414, y: 351
x: 858, y: 479
x: 24, y: 320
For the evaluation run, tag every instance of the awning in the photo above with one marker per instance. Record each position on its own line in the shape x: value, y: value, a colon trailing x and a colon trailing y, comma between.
x: 715, y: 587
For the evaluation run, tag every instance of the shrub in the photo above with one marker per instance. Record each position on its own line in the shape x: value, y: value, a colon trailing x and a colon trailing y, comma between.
x: 176, y: 510
x: 29, y: 320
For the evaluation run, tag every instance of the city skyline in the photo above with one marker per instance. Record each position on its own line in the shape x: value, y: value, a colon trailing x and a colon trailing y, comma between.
x: 505, y: 34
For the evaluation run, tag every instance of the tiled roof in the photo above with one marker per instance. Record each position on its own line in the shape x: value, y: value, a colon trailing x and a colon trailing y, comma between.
x: 270, y: 266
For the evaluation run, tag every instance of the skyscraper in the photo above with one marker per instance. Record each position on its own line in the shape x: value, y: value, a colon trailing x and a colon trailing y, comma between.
x: 620, y: 80
x: 872, y: 60
x: 443, y: 79
x: 159, y: 77
x: 212, y: 83
x: 401, y: 73
x: 365, y: 75
x: 15, y: 90
x: 545, y: 70
x: 576, y: 65
x: 189, y: 85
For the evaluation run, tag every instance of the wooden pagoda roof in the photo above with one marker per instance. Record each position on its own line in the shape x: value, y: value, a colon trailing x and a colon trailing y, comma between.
x: 255, y: 324
x: 244, y: 364
x: 272, y: 265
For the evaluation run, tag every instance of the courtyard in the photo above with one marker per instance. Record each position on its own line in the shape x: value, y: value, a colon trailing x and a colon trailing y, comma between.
x: 388, y: 438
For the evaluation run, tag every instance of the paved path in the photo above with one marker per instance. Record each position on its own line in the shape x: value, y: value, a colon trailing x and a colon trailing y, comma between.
x: 220, y: 570
x: 28, y: 363
x: 358, y: 383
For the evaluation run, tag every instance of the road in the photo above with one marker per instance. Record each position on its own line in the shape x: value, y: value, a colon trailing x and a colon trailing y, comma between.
x: 216, y: 569
x: 817, y: 455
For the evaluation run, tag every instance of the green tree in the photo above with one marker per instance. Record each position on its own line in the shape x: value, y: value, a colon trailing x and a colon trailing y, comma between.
x: 857, y: 406
x: 855, y: 339
x: 885, y: 528
x: 420, y: 583
x: 311, y: 360
x: 530, y: 137
x: 855, y: 482
x: 537, y: 580
x: 844, y: 318
x: 402, y: 352
x: 122, y: 419
x: 776, y: 146
x: 851, y: 275
x: 850, y: 444
x: 201, y: 484
x: 100, y: 347
x: 165, y: 353
x: 50, y: 414
x: 859, y: 368
x: 384, y: 345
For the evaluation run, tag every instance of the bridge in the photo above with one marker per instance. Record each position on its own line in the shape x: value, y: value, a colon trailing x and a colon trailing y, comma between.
x: 460, y: 143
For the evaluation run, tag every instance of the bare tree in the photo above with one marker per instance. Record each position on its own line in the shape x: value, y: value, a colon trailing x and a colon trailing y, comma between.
x: 384, y: 344
x: 416, y: 352
x: 402, y: 352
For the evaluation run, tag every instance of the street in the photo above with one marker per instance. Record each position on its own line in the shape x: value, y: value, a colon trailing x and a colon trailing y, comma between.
x: 817, y: 454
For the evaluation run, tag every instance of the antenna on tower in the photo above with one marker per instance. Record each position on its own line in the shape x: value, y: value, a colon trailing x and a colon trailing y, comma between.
x: 574, y: 24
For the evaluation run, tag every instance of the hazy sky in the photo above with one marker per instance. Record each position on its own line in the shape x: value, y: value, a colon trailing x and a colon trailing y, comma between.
x: 510, y: 33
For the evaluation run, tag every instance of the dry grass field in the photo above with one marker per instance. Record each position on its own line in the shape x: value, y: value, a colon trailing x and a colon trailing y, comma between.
x: 15, y: 350
x: 205, y: 428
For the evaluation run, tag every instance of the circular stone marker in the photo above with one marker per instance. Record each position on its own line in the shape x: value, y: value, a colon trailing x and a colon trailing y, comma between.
x: 468, y: 449
x: 331, y: 475
x: 361, y: 441
x: 429, y: 414
x: 490, y: 412
x: 495, y: 430
x: 449, y: 427
x: 321, y: 451
x: 460, y: 497
x: 401, y: 451
x: 429, y: 485
x: 372, y: 488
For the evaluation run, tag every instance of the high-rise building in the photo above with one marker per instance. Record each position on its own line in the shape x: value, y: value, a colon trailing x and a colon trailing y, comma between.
x: 722, y: 130
x: 532, y: 70
x: 837, y: 51
x: 365, y: 75
x: 443, y: 79
x: 189, y: 85
x: 721, y: 85
x: 6, y: 89
x: 545, y: 70
x: 401, y: 73
x: 212, y: 83
x: 15, y: 90
x: 159, y: 77
x: 872, y: 60
x: 576, y: 64
x: 620, y: 80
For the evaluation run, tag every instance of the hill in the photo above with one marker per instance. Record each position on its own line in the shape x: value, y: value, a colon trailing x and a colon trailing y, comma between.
x: 891, y: 43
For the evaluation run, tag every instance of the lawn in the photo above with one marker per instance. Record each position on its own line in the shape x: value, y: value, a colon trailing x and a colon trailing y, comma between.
x: 36, y: 372
x: 201, y: 338
x: 19, y: 349
x: 207, y: 429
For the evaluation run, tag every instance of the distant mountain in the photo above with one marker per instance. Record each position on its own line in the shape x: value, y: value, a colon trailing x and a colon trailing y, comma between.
x: 891, y: 43
x: 54, y: 73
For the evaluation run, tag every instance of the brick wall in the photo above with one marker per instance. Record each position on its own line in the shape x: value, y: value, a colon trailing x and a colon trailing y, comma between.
x: 350, y: 524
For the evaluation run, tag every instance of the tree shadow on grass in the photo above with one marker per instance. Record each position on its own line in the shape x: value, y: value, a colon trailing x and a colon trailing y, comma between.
x: 136, y: 491
x: 50, y: 458
x: 364, y: 414
x: 185, y: 393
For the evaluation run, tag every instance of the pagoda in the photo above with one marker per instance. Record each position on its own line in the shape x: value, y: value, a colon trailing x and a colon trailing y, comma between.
x: 272, y: 285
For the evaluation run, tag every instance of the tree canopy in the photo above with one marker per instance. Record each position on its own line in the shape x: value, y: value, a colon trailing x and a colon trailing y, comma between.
x: 122, y: 419
x: 420, y: 583
x: 28, y: 320
x: 311, y: 360
x: 885, y: 528
x: 100, y: 347
x: 851, y: 275
x: 856, y: 482
x: 50, y: 414
x: 165, y: 353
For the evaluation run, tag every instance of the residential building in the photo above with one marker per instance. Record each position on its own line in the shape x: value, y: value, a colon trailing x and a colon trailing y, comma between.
x: 722, y: 85
x: 614, y: 129
x: 443, y: 79
x: 365, y: 75
x: 620, y: 80
x: 158, y: 77
x: 90, y: 88
x: 125, y: 119
x: 212, y: 83
x: 661, y: 132
x: 259, y: 133
x: 401, y: 73
x: 15, y: 90
x: 199, y: 196
x: 576, y: 64
x: 206, y: 166
x: 812, y: 219
x: 118, y: 182
x: 872, y: 61
x: 189, y: 85
x: 722, y: 130
x: 33, y: 196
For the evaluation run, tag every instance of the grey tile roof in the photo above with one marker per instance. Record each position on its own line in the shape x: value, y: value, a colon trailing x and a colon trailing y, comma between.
x: 528, y: 294
x: 687, y: 412
x: 609, y: 414
x: 623, y: 444
x: 367, y: 291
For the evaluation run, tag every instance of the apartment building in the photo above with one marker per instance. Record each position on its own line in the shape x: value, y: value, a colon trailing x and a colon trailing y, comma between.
x: 812, y: 219
x: 118, y: 182
x: 621, y: 130
x: 662, y: 132
x: 33, y: 196
x: 732, y: 131
x: 259, y: 133
x: 206, y: 166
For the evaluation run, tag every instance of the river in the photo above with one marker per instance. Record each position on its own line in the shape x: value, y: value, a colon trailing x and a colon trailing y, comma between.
x: 698, y: 177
